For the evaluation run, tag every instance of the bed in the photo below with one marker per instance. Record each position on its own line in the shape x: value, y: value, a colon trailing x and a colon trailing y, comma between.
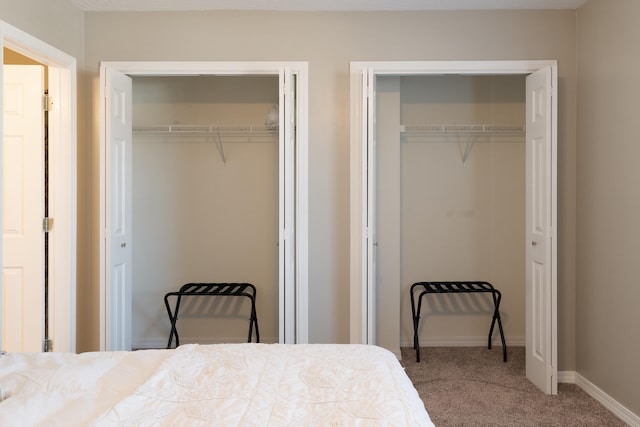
x: 204, y: 385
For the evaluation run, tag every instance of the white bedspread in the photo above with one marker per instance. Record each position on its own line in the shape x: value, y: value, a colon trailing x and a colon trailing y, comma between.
x: 211, y: 385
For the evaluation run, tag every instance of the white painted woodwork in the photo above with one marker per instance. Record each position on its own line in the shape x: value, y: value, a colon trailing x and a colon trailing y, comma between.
x: 371, y: 234
x: 119, y: 205
x: 287, y: 204
x: 541, y: 345
x: 23, y: 209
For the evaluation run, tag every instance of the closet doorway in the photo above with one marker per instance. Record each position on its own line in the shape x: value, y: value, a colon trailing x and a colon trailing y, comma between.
x: 385, y: 149
x: 204, y: 173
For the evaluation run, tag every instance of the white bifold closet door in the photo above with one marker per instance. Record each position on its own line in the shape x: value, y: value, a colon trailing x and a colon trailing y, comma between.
x: 119, y: 219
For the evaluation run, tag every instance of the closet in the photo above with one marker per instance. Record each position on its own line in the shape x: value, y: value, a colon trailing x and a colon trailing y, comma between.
x: 205, y: 203
x: 450, y: 203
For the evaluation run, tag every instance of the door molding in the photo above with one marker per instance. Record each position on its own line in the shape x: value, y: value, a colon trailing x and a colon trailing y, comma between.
x: 63, y: 179
x: 293, y: 324
x: 362, y: 292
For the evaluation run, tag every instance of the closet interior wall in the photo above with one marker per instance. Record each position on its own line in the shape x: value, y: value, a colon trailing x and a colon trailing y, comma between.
x: 205, y: 204
x: 460, y: 210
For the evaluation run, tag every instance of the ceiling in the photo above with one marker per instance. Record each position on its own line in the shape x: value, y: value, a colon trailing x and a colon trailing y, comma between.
x: 321, y: 5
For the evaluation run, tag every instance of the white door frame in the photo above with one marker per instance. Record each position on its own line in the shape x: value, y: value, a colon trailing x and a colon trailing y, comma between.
x: 62, y: 179
x: 361, y: 288
x: 293, y: 299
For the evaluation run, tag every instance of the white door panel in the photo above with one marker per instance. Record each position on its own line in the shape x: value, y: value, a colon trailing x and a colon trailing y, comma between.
x: 287, y: 206
x: 23, y: 209
x: 541, y: 345
x: 118, y: 205
x: 371, y: 234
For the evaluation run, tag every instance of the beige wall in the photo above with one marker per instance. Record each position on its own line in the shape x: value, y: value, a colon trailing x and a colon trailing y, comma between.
x: 328, y: 41
x: 443, y: 214
x: 55, y: 22
x: 463, y: 216
x: 200, y: 214
x: 608, y: 243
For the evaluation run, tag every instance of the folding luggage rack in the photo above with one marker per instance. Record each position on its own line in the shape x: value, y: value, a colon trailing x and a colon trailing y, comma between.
x: 212, y: 289
x: 453, y: 288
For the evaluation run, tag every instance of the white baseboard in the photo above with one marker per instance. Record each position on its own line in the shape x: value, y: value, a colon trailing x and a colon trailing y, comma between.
x: 607, y: 401
x: 471, y: 341
x: 567, y: 377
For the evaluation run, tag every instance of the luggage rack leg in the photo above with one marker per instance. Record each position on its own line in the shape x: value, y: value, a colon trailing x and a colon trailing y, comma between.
x: 453, y: 287
x: 212, y: 289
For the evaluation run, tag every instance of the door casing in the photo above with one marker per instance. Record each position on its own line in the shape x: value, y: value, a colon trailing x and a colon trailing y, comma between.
x: 62, y: 173
x: 294, y: 297
x: 362, y: 291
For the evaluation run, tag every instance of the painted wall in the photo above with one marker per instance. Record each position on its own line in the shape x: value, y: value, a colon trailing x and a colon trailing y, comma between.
x: 449, y: 207
x: 463, y: 215
x: 204, y: 212
x: 55, y: 22
x: 328, y: 41
x: 608, y: 199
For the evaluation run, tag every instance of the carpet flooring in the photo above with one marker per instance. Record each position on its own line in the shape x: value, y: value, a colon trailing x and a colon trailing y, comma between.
x: 472, y: 386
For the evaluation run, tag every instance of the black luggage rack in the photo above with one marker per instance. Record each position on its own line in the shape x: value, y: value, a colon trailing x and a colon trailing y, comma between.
x: 212, y: 289
x: 453, y: 288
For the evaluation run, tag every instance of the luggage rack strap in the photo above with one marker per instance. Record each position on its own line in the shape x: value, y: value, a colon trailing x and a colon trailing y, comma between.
x: 238, y: 289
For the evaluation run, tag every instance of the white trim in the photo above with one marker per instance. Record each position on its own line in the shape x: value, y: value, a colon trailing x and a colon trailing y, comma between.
x: 63, y: 184
x: 567, y: 377
x: 607, y: 401
x: 191, y: 68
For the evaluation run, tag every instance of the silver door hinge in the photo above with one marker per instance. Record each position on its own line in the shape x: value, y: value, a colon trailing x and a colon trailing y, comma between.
x: 47, y: 103
x: 47, y: 224
x: 47, y: 345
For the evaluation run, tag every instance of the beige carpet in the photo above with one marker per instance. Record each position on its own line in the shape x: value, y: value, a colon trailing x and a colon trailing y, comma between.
x: 472, y: 386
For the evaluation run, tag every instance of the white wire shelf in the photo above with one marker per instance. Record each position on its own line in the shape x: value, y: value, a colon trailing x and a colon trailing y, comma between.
x: 470, y: 130
x: 204, y: 130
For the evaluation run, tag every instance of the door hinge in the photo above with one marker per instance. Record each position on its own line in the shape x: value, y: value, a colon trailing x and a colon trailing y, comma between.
x: 47, y: 345
x: 47, y: 102
x: 47, y: 224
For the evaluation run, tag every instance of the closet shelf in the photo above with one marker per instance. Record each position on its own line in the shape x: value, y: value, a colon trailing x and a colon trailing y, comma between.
x: 473, y: 130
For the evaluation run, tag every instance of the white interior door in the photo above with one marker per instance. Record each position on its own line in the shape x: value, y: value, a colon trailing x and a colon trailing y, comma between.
x: 118, y: 192
x: 23, y: 209
x: 541, y: 341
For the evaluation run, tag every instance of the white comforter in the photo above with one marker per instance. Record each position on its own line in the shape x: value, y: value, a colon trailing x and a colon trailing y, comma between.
x: 211, y: 385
